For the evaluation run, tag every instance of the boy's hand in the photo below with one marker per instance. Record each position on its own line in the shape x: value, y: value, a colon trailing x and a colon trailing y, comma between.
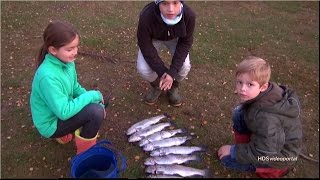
x: 166, y: 82
x: 224, y: 151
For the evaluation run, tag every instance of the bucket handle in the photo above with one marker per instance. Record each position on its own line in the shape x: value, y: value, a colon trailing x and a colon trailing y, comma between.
x: 123, y: 159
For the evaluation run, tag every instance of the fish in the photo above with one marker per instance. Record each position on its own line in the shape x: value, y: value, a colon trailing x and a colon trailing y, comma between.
x: 160, y: 135
x: 176, y: 169
x: 177, y: 150
x: 146, y: 123
x: 137, y: 136
x: 173, y: 141
x: 171, y: 159
x: 163, y: 176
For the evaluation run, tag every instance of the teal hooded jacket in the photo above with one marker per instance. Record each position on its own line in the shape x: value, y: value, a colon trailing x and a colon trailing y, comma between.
x: 57, y: 94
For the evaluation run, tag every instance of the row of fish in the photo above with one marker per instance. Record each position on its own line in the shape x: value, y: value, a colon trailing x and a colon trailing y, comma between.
x: 167, y: 154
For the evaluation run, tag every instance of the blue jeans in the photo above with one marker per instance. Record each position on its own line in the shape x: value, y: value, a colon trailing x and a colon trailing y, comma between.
x: 230, y: 163
x: 239, y: 126
x: 238, y: 121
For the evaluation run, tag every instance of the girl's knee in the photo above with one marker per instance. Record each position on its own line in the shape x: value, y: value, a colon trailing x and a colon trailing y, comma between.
x: 96, y: 111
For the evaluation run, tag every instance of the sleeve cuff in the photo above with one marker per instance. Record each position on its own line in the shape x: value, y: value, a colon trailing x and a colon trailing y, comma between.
x: 161, y: 72
x: 172, y: 73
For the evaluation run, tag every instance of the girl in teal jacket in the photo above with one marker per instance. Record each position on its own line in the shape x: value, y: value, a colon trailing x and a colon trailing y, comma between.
x: 59, y: 104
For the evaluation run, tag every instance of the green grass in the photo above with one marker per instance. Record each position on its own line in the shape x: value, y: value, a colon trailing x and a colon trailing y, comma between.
x: 289, y: 7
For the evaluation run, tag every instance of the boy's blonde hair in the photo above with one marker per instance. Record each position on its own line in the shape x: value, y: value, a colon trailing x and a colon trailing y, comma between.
x: 258, y: 69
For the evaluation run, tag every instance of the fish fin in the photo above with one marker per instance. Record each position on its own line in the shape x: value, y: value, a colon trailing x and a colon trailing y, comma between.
x: 189, y: 137
x: 173, y: 124
x: 207, y: 173
x: 184, y: 131
x: 167, y: 115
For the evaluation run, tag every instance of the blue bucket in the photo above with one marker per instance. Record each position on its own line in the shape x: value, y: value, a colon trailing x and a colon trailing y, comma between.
x: 98, y: 162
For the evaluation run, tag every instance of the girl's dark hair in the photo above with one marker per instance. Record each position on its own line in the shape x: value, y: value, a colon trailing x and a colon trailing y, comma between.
x: 56, y: 34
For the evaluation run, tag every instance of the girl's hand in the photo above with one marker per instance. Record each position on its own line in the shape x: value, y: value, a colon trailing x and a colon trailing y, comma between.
x: 105, y: 113
x: 224, y: 151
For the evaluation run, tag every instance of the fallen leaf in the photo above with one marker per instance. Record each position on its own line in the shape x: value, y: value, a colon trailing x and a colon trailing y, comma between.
x: 311, y: 155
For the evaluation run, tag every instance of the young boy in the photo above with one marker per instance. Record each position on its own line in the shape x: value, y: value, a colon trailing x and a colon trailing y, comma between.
x: 267, y: 128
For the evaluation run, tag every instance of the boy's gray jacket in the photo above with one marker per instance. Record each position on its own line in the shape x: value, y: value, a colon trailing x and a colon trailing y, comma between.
x: 273, y: 119
x: 151, y: 26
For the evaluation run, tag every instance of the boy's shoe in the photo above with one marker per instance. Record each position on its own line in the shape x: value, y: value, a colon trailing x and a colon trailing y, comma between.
x: 64, y: 139
x: 174, y: 96
x: 153, y: 95
x: 271, y: 172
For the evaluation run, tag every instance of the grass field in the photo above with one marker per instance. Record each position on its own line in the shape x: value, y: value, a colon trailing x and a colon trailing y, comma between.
x: 284, y: 33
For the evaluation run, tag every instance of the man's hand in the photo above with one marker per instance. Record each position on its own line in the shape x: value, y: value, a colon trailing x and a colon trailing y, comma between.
x: 166, y: 82
x: 224, y: 151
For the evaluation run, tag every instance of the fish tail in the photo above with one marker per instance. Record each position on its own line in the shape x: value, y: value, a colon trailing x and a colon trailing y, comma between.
x: 189, y: 137
x: 167, y: 115
x: 173, y: 124
x: 183, y: 131
x: 197, y: 158
x: 207, y: 173
x: 203, y: 148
